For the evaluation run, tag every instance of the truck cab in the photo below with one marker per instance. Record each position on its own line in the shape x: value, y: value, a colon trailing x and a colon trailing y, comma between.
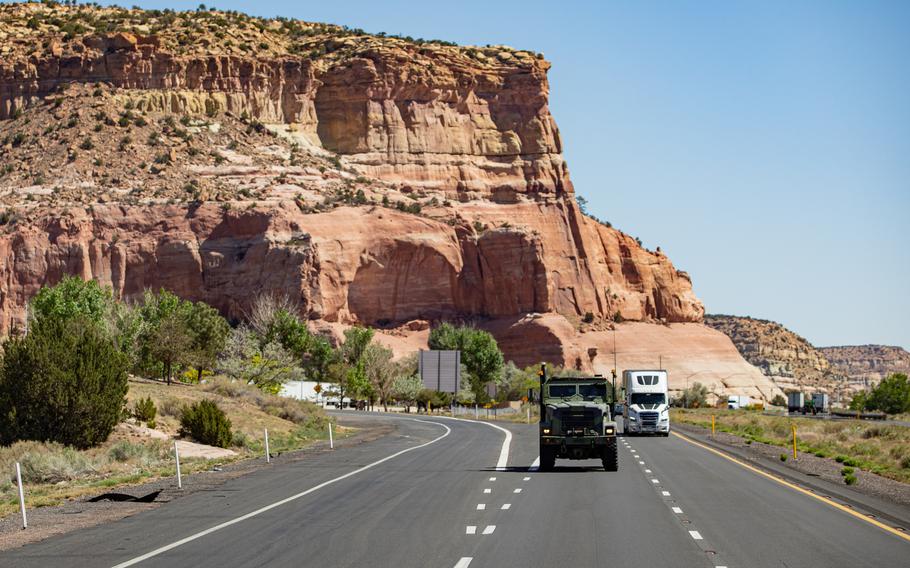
x: 647, y: 409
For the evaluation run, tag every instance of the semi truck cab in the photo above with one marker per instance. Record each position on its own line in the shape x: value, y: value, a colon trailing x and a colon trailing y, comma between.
x: 647, y: 409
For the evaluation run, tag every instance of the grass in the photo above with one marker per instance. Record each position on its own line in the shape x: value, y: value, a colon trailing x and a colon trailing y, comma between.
x: 877, y: 448
x: 53, y: 473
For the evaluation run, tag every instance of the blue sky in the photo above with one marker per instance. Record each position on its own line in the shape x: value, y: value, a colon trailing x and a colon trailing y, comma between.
x: 765, y: 146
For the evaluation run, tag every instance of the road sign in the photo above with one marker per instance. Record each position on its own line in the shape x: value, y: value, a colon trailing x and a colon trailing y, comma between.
x: 440, y: 370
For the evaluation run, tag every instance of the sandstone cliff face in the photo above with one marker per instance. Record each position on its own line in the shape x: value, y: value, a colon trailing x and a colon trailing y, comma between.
x: 868, y: 364
x: 377, y: 180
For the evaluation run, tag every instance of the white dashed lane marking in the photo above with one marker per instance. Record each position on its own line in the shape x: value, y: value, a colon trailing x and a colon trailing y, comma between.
x: 665, y: 493
x: 506, y: 507
x: 489, y: 529
x: 695, y: 534
x: 487, y: 490
x: 481, y: 506
x: 464, y: 562
x: 470, y: 529
x: 526, y: 479
x: 518, y: 490
x: 492, y: 479
x: 655, y: 481
x: 647, y: 471
x: 677, y: 510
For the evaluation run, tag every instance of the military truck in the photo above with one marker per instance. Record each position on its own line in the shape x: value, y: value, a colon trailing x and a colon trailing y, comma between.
x: 575, y: 421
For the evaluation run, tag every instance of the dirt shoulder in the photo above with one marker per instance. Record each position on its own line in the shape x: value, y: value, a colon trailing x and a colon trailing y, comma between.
x: 110, y: 506
x: 872, y: 493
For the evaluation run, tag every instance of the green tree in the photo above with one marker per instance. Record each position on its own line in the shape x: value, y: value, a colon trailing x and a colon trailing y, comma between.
x: 695, y: 396
x: 860, y: 401
x: 208, y: 333
x: 72, y: 298
x: 892, y: 395
x: 66, y: 382
x: 480, y: 354
x: 380, y: 371
x: 406, y: 388
x: 164, y: 338
x: 778, y: 400
x: 266, y: 366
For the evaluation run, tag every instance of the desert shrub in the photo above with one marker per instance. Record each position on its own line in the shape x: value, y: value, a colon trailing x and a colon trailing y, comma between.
x: 170, y: 406
x: 778, y: 400
x: 146, y: 454
x: 850, y: 479
x: 847, y: 471
x: 53, y: 463
x: 144, y: 410
x: 783, y: 457
x: 206, y: 423
x: 589, y: 317
x: 64, y: 382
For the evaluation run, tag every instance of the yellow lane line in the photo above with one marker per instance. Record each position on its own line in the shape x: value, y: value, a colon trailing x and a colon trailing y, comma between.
x: 797, y: 488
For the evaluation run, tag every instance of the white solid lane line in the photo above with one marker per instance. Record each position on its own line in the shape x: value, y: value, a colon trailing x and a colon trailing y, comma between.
x: 261, y: 510
x: 481, y: 506
x: 517, y: 490
x: 506, y: 507
x: 470, y: 529
x: 677, y: 510
x: 489, y: 529
x: 464, y: 562
x: 695, y: 534
x: 487, y: 490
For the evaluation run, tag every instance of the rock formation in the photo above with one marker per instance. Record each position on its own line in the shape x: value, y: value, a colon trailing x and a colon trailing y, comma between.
x: 377, y: 180
x: 868, y: 364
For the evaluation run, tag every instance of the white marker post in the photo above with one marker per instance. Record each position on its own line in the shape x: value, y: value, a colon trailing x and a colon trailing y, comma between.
x: 529, y: 415
x: 476, y: 413
x: 177, y: 459
x: 21, y: 496
x: 331, y: 438
x: 268, y: 457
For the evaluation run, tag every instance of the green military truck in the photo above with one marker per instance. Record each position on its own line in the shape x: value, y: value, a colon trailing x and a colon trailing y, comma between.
x: 575, y: 421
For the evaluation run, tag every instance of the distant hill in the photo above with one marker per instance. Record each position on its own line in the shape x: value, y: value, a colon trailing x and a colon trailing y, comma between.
x: 868, y: 362
x: 788, y: 358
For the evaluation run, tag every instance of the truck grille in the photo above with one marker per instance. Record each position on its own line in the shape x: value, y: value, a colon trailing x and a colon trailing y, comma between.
x: 578, y: 421
x: 649, y: 419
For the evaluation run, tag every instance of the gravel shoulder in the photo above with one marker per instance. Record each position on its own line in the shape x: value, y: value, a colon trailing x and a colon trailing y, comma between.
x: 873, y: 493
x: 104, y: 507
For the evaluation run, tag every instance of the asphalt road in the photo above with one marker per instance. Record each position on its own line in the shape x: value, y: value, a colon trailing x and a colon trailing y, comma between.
x: 430, y: 495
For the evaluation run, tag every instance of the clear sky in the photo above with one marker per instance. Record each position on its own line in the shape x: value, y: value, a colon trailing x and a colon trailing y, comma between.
x: 765, y: 146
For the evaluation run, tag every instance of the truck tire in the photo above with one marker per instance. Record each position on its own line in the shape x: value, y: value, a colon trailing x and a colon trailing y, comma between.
x: 609, y: 458
x: 547, y: 459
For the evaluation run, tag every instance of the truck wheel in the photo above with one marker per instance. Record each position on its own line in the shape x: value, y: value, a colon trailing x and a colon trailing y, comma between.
x: 609, y: 458
x: 547, y: 459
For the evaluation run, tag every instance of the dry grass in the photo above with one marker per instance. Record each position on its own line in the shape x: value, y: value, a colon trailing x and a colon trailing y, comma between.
x: 878, y: 448
x: 53, y: 473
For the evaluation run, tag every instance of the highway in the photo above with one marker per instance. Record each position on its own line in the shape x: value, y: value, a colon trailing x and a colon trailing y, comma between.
x: 431, y: 495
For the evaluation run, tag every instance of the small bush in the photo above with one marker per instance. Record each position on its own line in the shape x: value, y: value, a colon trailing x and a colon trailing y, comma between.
x: 847, y: 471
x: 851, y: 462
x: 206, y: 423
x: 144, y: 410
x: 840, y: 459
x: 55, y: 464
x: 170, y: 407
x: 850, y: 479
x: 589, y: 317
x: 783, y: 457
x: 146, y: 453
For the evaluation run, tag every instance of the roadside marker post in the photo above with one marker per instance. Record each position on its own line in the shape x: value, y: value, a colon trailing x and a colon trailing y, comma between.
x: 529, y: 415
x: 793, y: 426
x: 331, y: 438
x: 177, y: 459
x: 21, y: 496
x: 476, y: 413
x: 712, y: 425
x: 268, y: 455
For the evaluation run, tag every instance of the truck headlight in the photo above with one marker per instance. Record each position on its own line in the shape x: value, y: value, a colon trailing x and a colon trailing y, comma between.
x: 608, y: 430
x: 546, y: 430
x: 632, y: 418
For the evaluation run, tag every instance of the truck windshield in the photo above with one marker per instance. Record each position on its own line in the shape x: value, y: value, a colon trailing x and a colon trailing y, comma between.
x: 647, y: 398
x: 562, y: 391
x: 591, y: 392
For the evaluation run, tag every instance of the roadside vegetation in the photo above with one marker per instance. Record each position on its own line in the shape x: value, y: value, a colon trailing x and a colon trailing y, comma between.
x: 883, y: 449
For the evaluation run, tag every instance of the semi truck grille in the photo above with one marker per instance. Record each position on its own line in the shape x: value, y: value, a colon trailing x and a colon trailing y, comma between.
x: 649, y: 418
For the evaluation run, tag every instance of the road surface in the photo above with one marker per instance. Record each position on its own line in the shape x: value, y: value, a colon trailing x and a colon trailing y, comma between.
x: 431, y: 495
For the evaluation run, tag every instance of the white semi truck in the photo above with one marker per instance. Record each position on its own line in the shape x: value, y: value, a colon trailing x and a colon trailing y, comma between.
x: 646, y: 409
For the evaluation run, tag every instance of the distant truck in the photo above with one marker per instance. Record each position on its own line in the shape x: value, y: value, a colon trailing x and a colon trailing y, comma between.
x: 736, y: 401
x: 647, y: 409
x: 820, y: 402
x: 575, y: 420
x: 795, y: 402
